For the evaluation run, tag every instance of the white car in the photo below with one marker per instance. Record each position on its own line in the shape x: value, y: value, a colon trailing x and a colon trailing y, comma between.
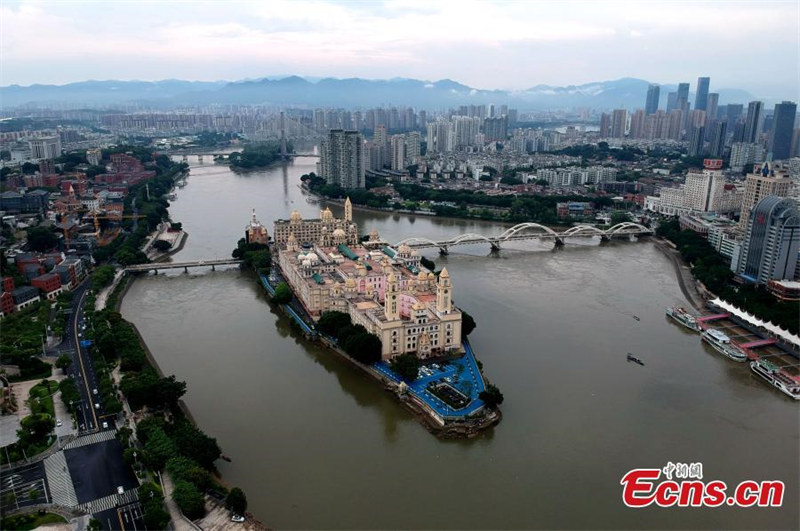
x: 105, y: 425
x: 58, y: 423
x: 120, y: 490
x: 237, y: 518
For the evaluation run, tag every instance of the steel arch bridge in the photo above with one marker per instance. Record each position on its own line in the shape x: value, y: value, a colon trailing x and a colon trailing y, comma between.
x: 529, y: 231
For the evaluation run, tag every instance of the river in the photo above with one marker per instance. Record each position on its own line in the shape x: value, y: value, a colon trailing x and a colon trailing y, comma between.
x: 317, y: 445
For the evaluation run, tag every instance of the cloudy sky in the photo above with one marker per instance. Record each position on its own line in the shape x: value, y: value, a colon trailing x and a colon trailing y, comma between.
x: 484, y: 44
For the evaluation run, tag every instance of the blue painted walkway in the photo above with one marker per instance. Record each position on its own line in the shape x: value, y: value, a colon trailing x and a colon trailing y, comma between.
x: 292, y: 313
x: 469, y: 382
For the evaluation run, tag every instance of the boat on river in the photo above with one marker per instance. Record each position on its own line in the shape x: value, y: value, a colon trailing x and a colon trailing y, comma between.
x: 681, y: 316
x: 722, y: 344
x: 634, y: 359
x: 773, y: 374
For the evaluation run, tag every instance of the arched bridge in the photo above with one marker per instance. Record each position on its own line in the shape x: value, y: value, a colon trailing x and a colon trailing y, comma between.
x: 155, y: 266
x: 530, y: 231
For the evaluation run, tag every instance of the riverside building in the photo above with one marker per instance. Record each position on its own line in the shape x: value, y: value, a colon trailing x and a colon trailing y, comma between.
x: 385, y: 290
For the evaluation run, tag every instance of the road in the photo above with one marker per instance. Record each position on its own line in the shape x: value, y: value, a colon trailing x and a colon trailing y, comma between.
x: 94, y: 467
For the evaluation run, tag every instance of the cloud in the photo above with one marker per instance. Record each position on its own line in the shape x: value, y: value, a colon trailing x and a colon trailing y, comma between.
x: 482, y: 43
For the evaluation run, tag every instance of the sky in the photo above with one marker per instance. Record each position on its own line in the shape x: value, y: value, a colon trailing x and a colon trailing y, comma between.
x: 512, y: 45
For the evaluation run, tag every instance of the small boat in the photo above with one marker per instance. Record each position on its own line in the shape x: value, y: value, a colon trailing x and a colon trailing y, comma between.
x: 634, y: 359
x: 225, y: 458
x: 636, y: 317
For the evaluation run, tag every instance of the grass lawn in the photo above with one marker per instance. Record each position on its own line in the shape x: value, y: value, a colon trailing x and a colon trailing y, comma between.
x: 25, y: 522
x: 41, y: 397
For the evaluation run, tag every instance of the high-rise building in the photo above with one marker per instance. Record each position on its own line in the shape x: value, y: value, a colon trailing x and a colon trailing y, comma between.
x: 398, y: 152
x: 342, y: 159
x: 780, y: 142
x: 605, y: 125
x: 744, y: 154
x: 703, y: 190
x: 637, y: 124
x: 683, y: 94
x: 45, y: 147
x: 795, y: 150
x: 696, y: 141
x: 717, y: 146
x: 619, y: 123
x: 675, y: 124
x: 495, y: 128
x: 672, y: 101
x: 413, y: 141
x: 733, y: 112
x: 754, y: 121
x: 701, y: 97
x: 762, y: 183
x: 712, y: 106
x: 769, y: 250
x: 651, y: 105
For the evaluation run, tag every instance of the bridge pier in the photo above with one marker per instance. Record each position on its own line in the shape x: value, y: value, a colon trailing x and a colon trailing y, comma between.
x: 155, y: 271
x: 495, y: 246
x: 604, y: 238
x: 186, y: 270
x: 558, y: 242
x: 213, y: 268
x: 443, y: 251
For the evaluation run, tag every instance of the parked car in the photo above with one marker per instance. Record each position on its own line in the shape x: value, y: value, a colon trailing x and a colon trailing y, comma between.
x: 237, y: 518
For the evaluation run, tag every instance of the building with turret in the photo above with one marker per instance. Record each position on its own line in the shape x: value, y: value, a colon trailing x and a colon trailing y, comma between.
x: 325, y: 230
x: 385, y: 290
x: 255, y: 232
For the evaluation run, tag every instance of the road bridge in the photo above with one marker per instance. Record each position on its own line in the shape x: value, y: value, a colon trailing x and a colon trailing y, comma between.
x: 155, y: 266
x: 530, y: 231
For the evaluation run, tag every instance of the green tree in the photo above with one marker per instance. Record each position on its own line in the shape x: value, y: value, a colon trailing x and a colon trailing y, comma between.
x: 158, y: 449
x: 283, y: 294
x: 63, y: 362
x: 189, y: 499
x: 406, y: 366
x: 428, y: 263
x: 363, y: 347
x: 162, y: 245
x: 41, y: 239
x: 467, y: 324
x: 35, y: 428
x: 492, y: 396
x: 331, y: 322
x: 236, y: 501
x: 619, y: 217
x: 102, y: 277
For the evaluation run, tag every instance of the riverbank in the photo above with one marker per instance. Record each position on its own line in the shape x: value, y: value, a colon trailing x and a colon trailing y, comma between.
x: 683, y: 272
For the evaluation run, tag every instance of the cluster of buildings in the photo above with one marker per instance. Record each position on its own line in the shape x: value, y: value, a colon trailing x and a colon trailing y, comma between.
x: 47, y: 276
x: 703, y: 191
x: 763, y: 245
x: 574, y: 175
x: 384, y: 289
x: 710, y: 128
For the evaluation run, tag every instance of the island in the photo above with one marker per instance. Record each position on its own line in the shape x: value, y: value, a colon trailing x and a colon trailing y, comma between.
x: 382, y: 310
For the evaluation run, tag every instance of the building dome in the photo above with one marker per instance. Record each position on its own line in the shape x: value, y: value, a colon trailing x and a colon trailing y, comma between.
x: 422, y: 277
x: 301, y: 257
x: 306, y: 263
x: 430, y: 276
x: 313, y: 257
x: 295, y: 216
x: 404, y: 249
x: 350, y: 283
x: 339, y: 233
x: 414, y: 253
x: 418, y: 306
x: 374, y: 235
x: 326, y: 215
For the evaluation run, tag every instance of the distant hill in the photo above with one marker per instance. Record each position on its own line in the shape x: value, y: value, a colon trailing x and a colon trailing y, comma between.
x: 352, y: 92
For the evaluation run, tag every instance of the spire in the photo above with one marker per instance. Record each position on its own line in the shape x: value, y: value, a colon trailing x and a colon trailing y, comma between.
x: 348, y: 209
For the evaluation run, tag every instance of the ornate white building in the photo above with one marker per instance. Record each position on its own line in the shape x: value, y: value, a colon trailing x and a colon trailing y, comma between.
x: 325, y: 230
x: 387, y: 291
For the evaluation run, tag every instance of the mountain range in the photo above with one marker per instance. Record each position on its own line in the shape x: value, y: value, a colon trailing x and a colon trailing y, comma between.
x: 349, y: 93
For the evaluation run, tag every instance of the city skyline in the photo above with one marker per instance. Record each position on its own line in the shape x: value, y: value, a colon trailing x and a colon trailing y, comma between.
x: 510, y: 46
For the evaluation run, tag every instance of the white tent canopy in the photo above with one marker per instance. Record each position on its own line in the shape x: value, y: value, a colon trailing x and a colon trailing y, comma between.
x: 755, y: 321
